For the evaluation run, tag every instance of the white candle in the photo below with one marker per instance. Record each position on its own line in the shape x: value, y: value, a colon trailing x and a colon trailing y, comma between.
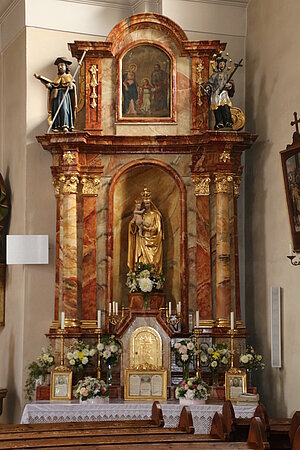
x: 232, y: 320
x: 197, y: 319
x: 109, y: 309
x: 291, y: 250
x: 113, y: 308
x: 178, y: 307
x: 99, y: 318
x: 170, y: 308
x: 62, y: 320
x: 117, y: 308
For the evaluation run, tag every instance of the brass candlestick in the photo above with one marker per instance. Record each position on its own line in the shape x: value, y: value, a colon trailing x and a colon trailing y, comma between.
x: 61, y: 333
x: 98, y: 332
x: 232, y: 333
x: 172, y: 319
x: 197, y: 331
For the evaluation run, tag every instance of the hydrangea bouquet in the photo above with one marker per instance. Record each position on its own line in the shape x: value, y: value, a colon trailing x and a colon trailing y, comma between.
x: 251, y: 360
x: 91, y: 388
x: 192, y: 388
x: 144, y: 278
x: 217, y: 358
x: 80, y: 355
x: 184, y: 352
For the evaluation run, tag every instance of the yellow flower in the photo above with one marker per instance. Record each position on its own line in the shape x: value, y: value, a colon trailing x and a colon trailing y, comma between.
x: 216, y: 355
x: 80, y: 355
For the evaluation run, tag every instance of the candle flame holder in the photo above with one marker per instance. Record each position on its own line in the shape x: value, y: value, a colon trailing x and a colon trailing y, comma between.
x: 98, y: 332
x: 197, y: 331
x: 116, y: 318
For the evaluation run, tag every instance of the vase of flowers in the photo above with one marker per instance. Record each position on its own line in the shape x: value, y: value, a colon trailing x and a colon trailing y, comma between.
x: 91, y: 390
x: 216, y: 358
x: 110, y: 349
x: 79, y: 356
x: 251, y: 361
x: 192, y: 391
x: 184, y: 352
x: 39, y: 372
x: 145, y: 279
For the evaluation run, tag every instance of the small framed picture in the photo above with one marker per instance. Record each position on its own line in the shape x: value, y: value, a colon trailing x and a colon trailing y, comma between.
x: 145, y: 384
x: 235, y: 384
x: 61, y: 384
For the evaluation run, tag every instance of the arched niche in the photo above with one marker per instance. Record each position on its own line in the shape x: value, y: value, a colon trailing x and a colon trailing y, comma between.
x: 169, y: 196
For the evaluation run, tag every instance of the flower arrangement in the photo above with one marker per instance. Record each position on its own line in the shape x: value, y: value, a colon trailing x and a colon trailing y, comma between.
x: 80, y: 355
x: 90, y: 388
x: 110, y: 349
x: 251, y: 360
x: 192, y: 388
x: 40, y: 367
x: 144, y: 278
x: 184, y: 352
x: 216, y: 357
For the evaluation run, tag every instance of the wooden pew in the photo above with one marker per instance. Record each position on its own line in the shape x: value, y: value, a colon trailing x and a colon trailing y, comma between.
x: 296, y: 442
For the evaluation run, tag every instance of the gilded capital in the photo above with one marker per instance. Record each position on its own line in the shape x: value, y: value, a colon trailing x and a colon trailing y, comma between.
x: 201, y: 184
x: 223, y: 183
x: 56, y: 184
x: 69, y: 184
x: 236, y: 185
x: 90, y: 185
x: 69, y: 157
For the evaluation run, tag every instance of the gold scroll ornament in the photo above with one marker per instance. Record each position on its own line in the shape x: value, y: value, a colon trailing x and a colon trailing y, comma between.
x: 145, y: 349
x: 199, y: 81
x: 93, y: 84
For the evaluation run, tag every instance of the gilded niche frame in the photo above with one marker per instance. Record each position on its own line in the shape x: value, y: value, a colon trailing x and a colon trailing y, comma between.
x: 145, y: 384
x: 146, y: 83
x: 290, y: 160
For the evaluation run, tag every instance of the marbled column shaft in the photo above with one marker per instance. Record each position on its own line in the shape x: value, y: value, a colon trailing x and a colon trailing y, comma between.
x: 70, y: 271
x: 89, y: 265
x: 223, y: 288
x: 203, y: 266
x: 236, y: 260
x: 57, y: 259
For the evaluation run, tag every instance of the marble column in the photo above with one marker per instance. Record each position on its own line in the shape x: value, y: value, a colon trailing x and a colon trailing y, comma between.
x: 223, y: 287
x: 70, y: 262
x: 89, y: 263
x: 203, y: 256
x: 236, y: 184
x: 58, y: 260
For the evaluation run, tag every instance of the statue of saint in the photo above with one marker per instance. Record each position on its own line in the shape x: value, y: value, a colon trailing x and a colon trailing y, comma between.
x: 145, y: 234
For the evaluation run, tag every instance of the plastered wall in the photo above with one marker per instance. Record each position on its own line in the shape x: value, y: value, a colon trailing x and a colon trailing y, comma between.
x: 272, y: 95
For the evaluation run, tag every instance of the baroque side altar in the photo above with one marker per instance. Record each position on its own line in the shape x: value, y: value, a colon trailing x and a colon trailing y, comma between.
x: 145, y: 123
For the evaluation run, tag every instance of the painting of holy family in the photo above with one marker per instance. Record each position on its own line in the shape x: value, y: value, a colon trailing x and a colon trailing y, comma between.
x: 146, y: 83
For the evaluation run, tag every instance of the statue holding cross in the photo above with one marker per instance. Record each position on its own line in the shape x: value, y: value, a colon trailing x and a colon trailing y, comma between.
x: 296, y: 122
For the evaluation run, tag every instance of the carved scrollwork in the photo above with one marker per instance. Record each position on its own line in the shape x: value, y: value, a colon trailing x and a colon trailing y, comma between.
x: 93, y: 84
x: 56, y: 184
x: 90, y: 185
x: 201, y: 184
x: 236, y: 185
x: 199, y: 81
x: 223, y: 183
x: 69, y: 184
x: 68, y: 157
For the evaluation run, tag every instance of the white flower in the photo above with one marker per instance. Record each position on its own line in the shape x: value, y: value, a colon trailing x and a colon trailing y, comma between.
x: 113, y: 348
x: 250, y: 357
x: 85, y: 360
x: 92, y: 352
x: 75, y: 354
x: 244, y: 359
x: 106, y: 354
x: 182, y: 349
x: 72, y: 362
x: 184, y: 357
x: 85, y: 351
x: 50, y: 359
x: 203, y: 358
x: 210, y: 350
x: 145, y: 284
x: 259, y: 357
x: 144, y: 274
x: 100, y: 347
x: 190, y: 383
x: 214, y: 364
x: 190, y: 345
x: 189, y: 394
x: 70, y: 355
x: 177, y: 345
x: 224, y: 360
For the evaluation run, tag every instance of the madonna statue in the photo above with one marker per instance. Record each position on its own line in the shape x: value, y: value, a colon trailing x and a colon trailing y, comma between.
x: 145, y: 234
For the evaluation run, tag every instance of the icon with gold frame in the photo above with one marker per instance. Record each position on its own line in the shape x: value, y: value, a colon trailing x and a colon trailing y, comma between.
x: 145, y: 384
x: 235, y: 384
x: 61, y: 384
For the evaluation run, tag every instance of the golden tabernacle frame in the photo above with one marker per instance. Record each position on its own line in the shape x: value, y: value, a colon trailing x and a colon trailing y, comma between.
x: 145, y: 384
x: 235, y: 384
x: 61, y: 384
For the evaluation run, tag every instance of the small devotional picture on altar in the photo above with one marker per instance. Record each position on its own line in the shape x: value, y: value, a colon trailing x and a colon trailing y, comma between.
x: 235, y: 385
x: 145, y: 84
x: 291, y: 172
x: 145, y: 385
x: 61, y: 385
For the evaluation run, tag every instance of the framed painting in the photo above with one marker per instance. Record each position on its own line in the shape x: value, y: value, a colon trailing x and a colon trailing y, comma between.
x: 290, y: 160
x: 145, y: 384
x: 61, y: 384
x: 146, y: 84
x: 235, y: 384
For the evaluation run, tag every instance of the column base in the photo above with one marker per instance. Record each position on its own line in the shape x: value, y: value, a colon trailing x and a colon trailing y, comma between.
x: 206, y: 323
x: 88, y: 324
x: 222, y: 323
x: 240, y: 325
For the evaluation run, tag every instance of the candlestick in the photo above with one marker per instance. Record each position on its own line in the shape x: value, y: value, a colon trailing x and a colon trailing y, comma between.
x: 98, y: 355
x: 117, y: 308
x: 232, y: 320
x: 197, y: 331
x: 62, y: 320
x: 170, y: 308
x: 291, y: 250
x: 99, y: 318
x: 179, y: 307
x: 197, y: 319
x: 62, y: 333
x: 109, y: 309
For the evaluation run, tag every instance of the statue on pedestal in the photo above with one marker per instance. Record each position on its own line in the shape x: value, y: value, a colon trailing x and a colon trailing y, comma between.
x: 145, y: 234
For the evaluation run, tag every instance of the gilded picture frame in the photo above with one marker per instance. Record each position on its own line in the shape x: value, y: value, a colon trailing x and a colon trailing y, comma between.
x: 145, y: 384
x: 146, y: 86
x: 235, y: 384
x: 290, y: 160
x: 61, y: 384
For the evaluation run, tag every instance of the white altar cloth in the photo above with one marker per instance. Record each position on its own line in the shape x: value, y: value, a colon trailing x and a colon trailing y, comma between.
x: 45, y: 411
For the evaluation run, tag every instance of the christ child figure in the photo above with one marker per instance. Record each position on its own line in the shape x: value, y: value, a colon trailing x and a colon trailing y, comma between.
x: 138, y: 216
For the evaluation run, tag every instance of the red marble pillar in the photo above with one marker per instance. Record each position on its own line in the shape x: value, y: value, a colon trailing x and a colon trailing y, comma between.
x: 223, y: 286
x: 89, y: 263
x: 236, y: 184
x: 69, y: 250
x: 57, y: 253
x: 203, y: 256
